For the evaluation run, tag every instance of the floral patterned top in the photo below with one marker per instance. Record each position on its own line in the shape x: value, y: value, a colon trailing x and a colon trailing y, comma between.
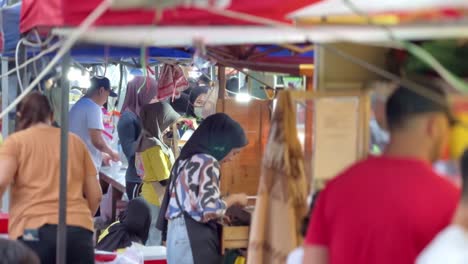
x: 197, y: 189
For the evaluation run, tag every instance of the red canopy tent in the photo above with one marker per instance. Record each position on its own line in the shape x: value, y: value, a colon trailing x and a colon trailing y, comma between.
x: 47, y: 14
x: 56, y: 13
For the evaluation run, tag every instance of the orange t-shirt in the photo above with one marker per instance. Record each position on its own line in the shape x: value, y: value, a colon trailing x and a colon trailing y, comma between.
x: 34, y: 199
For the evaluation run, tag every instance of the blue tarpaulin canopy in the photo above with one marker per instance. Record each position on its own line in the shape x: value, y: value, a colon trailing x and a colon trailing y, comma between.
x: 10, y: 34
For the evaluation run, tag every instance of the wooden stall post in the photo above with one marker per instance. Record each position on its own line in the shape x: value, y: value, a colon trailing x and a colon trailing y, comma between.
x: 309, y: 128
x: 242, y: 174
x: 221, y: 88
x: 222, y: 82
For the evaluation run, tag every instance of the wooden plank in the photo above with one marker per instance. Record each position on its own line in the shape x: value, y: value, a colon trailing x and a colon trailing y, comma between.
x: 234, y: 237
x: 242, y: 174
x: 235, y: 244
x: 309, y: 129
x: 109, y: 180
x: 333, y: 68
x: 337, y: 126
x: 235, y: 232
x: 311, y: 95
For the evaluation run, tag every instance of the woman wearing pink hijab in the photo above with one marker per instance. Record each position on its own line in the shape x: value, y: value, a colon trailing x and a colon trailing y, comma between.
x: 140, y: 92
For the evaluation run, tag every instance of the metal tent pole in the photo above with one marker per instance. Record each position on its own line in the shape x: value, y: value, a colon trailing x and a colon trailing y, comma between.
x: 213, y: 73
x: 5, y: 122
x: 5, y: 96
x: 62, y: 226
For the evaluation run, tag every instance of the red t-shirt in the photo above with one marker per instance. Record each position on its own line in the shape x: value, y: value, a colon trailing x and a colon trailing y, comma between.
x: 382, y: 210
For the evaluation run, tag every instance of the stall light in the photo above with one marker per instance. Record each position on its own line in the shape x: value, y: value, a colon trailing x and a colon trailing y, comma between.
x: 243, y: 97
x: 81, y: 78
x: 130, y: 77
x: 301, y: 136
x: 84, y: 83
x: 74, y: 74
x: 194, y: 74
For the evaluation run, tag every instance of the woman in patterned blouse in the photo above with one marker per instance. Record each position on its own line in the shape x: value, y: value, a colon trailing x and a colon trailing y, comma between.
x: 195, y: 202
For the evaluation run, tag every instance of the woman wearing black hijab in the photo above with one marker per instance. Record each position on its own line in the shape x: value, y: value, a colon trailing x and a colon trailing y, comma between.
x: 195, y: 203
x: 182, y: 105
x: 156, y: 158
x: 191, y: 105
x: 133, y: 226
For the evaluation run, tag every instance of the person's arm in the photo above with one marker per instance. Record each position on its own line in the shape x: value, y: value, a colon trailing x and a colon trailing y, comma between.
x: 91, y: 188
x: 128, y: 136
x: 92, y: 192
x: 99, y: 142
x: 8, y: 164
x: 317, y: 238
x: 211, y: 203
x: 8, y: 167
x: 95, y: 127
x: 236, y: 199
x: 315, y: 255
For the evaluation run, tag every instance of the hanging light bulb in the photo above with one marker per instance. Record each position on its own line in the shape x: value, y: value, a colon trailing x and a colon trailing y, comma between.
x: 74, y: 74
x: 243, y: 97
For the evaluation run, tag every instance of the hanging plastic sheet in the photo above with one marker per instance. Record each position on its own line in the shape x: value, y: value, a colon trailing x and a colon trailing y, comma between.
x: 172, y: 82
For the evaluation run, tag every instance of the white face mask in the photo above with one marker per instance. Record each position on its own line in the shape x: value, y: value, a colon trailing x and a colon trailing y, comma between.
x: 198, y: 111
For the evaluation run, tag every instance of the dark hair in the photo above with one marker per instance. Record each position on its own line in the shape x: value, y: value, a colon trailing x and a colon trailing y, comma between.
x: 14, y: 252
x: 35, y: 108
x: 133, y: 226
x: 464, y: 174
x: 406, y: 103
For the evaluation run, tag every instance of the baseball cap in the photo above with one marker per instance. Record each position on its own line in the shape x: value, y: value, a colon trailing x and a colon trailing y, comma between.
x: 98, y: 82
x: 418, y: 96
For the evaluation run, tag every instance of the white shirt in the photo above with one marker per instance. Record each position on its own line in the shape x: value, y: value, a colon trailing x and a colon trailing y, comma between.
x: 449, y: 247
x: 296, y: 256
x: 86, y: 115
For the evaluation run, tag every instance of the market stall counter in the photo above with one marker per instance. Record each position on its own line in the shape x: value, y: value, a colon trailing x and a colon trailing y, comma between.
x: 151, y: 255
x: 115, y: 178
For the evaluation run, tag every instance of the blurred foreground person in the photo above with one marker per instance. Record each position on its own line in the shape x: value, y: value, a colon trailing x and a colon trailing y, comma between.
x: 132, y: 227
x: 14, y: 252
x: 387, y: 209
x: 451, y: 245
x: 30, y: 163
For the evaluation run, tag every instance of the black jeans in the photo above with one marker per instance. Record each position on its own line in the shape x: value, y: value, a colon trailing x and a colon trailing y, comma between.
x: 133, y: 190
x: 80, y: 245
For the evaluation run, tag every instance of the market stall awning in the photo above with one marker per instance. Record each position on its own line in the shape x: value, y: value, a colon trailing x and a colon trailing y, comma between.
x: 340, y: 7
x: 53, y: 13
x: 98, y: 54
x: 9, y: 32
x: 184, y: 36
x: 286, y: 58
